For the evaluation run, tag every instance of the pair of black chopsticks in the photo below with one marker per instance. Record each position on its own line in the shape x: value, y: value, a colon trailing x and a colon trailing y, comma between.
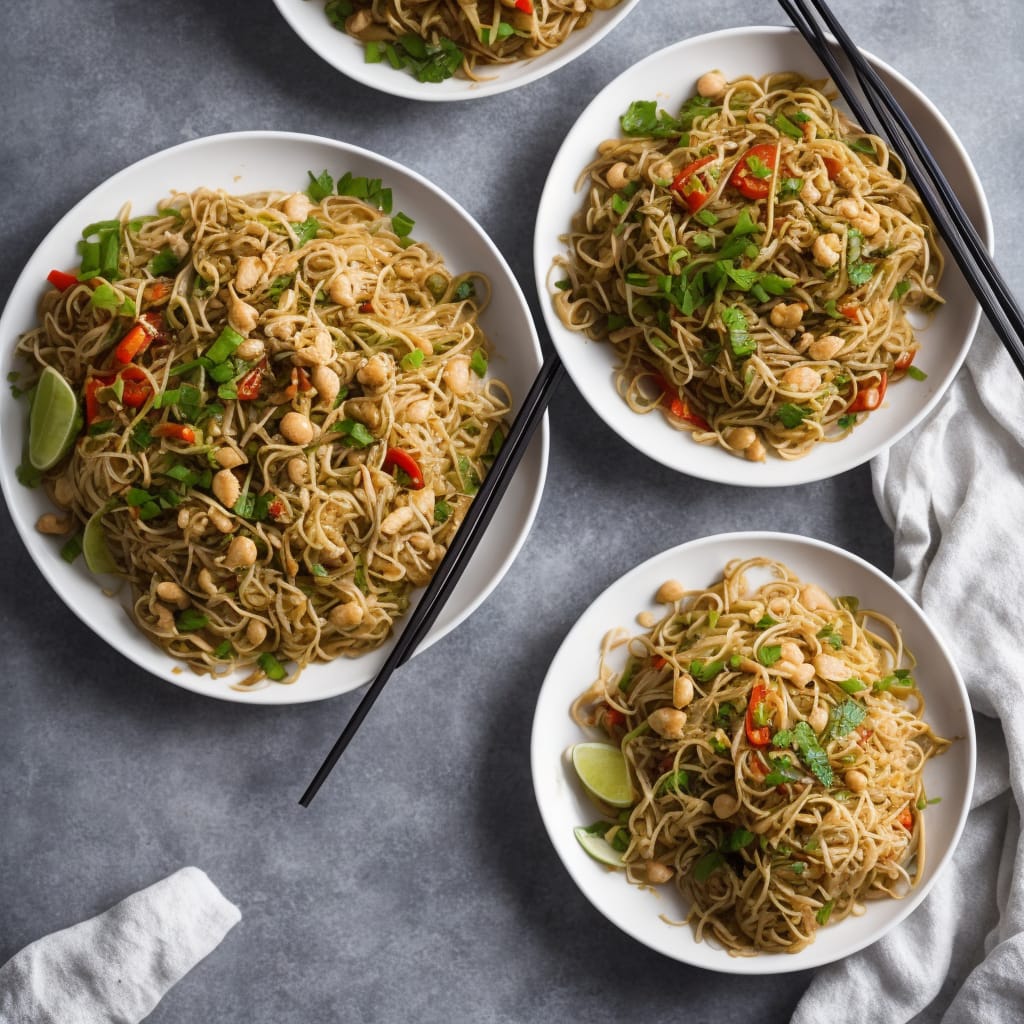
x: 460, y: 551
x: 966, y: 247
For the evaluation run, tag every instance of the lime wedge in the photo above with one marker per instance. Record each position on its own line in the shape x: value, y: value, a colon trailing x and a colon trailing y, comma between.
x: 94, y: 545
x: 598, y: 847
x: 53, y: 421
x: 602, y: 770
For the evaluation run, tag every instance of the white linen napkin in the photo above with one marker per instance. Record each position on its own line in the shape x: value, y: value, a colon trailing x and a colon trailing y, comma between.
x: 115, y: 968
x: 953, y: 494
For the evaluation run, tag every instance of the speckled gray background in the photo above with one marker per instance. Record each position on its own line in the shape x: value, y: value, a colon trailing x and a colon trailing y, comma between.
x: 420, y: 885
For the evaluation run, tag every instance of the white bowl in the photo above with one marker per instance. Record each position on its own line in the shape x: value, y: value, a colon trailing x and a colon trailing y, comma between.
x: 669, y: 77
x: 248, y: 162
x: 564, y: 805
x: 346, y: 54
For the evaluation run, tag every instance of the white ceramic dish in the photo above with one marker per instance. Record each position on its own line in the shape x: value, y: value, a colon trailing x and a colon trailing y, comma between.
x: 248, y: 162
x: 564, y: 805
x: 669, y: 76
x: 346, y: 54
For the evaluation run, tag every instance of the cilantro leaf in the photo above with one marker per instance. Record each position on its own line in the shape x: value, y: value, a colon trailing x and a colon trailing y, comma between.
x: 791, y: 415
x: 319, y: 188
x: 768, y: 654
x: 782, y: 771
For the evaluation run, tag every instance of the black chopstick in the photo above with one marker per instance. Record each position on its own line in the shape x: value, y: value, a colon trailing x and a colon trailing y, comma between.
x: 460, y: 551
x: 890, y: 120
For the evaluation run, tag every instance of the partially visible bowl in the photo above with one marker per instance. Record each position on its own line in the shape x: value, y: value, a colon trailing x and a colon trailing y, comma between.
x: 248, y: 162
x: 669, y: 76
x: 348, y: 56
x: 564, y: 805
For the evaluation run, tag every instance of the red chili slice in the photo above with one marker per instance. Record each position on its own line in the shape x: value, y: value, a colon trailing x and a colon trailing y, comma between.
x: 61, y: 281
x: 678, y: 405
x: 758, y: 735
x: 396, y: 458
x: 871, y: 397
x: 692, y: 186
x: 177, y: 431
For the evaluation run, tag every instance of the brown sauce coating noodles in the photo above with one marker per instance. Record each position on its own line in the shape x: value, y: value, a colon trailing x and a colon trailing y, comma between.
x: 280, y: 494
x: 753, y: 262
x: 776, y: 743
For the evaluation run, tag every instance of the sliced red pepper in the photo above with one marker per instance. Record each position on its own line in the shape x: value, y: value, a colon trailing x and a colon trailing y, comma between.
x: 147, y: 329
x: 833, y: 167
x: 276, y: 508
x: 135, y: 341
x: 395, y: 457
x: 850, y: 310
x: 135, y: 393
x: 177, y: 431
x: 906, y: 819
x: 526, y: 6
x: 137, y: 389
x: 871, y: 397
x: 743, y: 177
x: 904, y: 360
x: 92, y: 404
x: 678, y: 406
x: 61, y: 281
x: 692, y: 187
x: 366, y: 307
x: 248, y: 388
x: 156, y: 290
x: 658, y: 662
x: 613, y: 718
x: 758, y: 735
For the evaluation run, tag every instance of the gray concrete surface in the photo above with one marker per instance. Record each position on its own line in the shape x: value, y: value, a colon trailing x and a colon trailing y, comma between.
x: 420, y: 885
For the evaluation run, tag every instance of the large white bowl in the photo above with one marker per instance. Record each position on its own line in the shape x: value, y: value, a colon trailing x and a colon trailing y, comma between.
x: 564, y: 805
x: 248, y: 162
x: 346, y: 54
x: 669, y: 76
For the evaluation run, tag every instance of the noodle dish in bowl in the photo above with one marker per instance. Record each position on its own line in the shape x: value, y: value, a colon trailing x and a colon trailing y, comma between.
x: 254, y: 406
x: 737, y: 276
x: 769, y: 762
x: 450, y: 50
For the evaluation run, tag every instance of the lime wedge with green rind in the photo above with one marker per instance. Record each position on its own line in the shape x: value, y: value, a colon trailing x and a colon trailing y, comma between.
x: 603, y: 771
x: 94, y: 545
x: 53, y: 421
x: 598, y: 847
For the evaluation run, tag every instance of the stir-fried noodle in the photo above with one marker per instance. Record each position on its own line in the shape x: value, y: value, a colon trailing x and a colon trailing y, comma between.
x: 775, y: 742
x: 287, y: 413
x: 440, y: 38
x: 752, y: 260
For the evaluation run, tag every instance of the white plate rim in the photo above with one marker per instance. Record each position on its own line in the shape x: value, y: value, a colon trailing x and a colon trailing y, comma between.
x: 526, y: 488
x: 345, y: 54
x: 558, y: 793
x: 658, y: 440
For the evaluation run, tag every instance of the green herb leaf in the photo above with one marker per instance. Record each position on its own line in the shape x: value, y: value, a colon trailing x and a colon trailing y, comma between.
x: 306, y: 231
x: 812, y: 753
x: 739, y: 334
x: 845, y: 718
x: 319, y: 188
x: 768, y: 654
x: 707, y: 866
x: 354, y: 434
x: 791, y: 415
x: 782, y: 771
x: 190, y: 620
x: 478, y: 362
x: 675, y: 782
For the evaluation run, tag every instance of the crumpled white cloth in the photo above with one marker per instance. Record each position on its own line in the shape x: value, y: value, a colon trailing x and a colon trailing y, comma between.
x: 115, y: 968
x: 952, y: 492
